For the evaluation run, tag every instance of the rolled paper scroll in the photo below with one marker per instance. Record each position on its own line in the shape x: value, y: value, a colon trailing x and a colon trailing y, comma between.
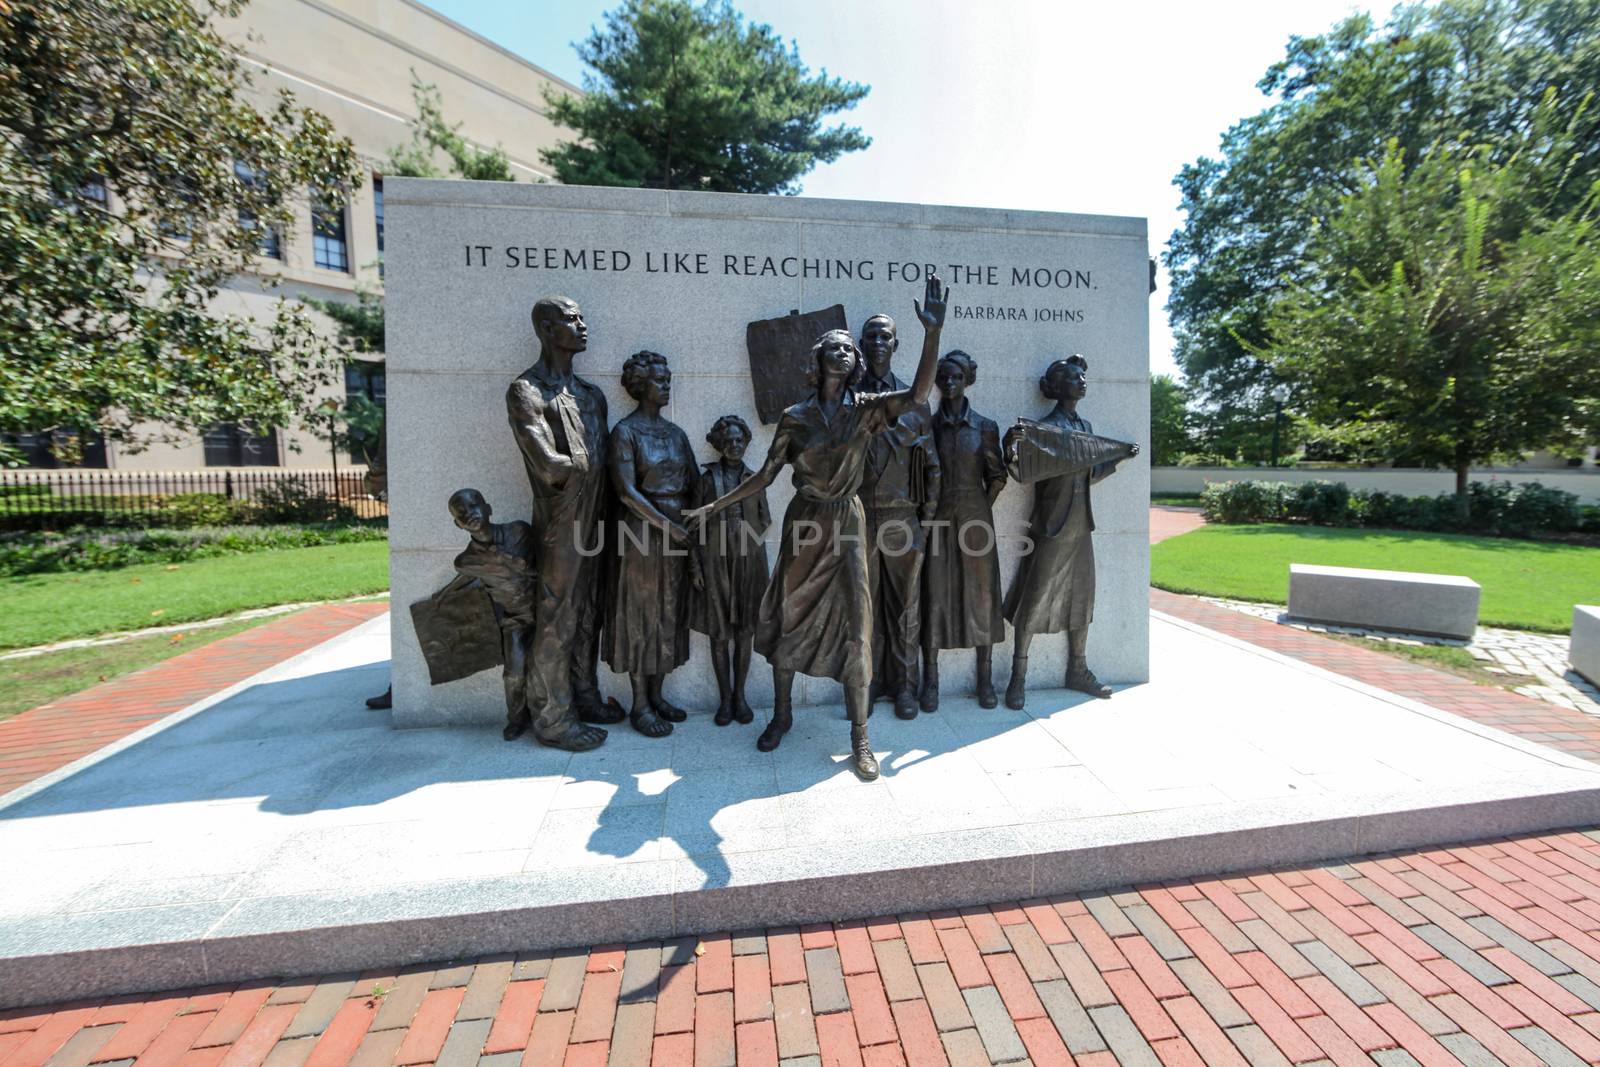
x: 1046, y: 451
x: 458, y: 634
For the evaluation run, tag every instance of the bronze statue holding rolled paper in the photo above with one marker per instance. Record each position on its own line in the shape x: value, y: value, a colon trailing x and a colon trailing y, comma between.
x: 1053, y: 590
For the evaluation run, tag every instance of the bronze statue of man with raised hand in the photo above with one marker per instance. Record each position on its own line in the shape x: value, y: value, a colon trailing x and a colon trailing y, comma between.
x: 559, y: 422
x: 900, y: 491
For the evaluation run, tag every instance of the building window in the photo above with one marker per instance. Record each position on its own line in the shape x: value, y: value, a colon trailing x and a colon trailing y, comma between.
x: 377, y: 217
x: 94, y: 191
x: 329, y: 247
x: 268, y: 242
x: 39, y: 450
x: 230, y: 445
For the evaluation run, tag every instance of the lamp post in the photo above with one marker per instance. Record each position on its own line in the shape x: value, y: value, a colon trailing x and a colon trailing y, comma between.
x: 1280, y: 395
x: 331, y: 406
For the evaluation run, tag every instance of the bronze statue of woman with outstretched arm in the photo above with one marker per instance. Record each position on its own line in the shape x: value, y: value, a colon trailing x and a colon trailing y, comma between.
x: 816, y: 615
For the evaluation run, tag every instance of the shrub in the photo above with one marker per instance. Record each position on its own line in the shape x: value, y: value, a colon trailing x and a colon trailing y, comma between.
x: 290, y: 499
x: 193, y: 509
x: 1499, y: 509
x: 1322, y: 503
x: 1235, y: 502
x: 86, y: 550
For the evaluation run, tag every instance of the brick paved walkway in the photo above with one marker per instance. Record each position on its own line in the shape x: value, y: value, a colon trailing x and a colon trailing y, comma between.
x: 1479, y: 954
x: 1167, y: 521
x: 53, y: 735
x: 1561, y: 728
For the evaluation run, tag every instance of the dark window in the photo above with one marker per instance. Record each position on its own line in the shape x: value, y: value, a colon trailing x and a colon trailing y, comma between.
x: 37, y: 450
x: 377, y: 217
x: 94, y: 191
x: 328, y: 247
x: 229, y: 445
x: 268, y: 242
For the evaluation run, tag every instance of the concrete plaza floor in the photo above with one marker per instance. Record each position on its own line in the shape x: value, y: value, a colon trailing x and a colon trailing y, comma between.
x: 281, y: 828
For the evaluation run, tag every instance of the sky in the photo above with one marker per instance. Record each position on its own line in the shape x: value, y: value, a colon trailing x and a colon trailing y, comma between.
x: 1043, y: 105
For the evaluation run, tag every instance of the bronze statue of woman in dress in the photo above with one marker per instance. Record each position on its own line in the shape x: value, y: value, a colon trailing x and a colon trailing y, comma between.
x: 961, y: 575
x: 652, y: 472
x: 816, y: 615
x: 730, y: 573
x: 1053, y: 589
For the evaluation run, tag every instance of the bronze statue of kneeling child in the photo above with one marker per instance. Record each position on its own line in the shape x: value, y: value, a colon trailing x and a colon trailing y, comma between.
x: 500, y: 559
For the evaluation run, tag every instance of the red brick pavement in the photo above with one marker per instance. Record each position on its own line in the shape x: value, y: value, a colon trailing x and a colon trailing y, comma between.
x: 1560, y: 728
x: 52, y: 735
x: 1168, y: 521
x: 1474, y: 954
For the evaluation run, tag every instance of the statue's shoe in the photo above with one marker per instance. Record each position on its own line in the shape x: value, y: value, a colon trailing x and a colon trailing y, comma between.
x: 1084, y: 681
x: 865, y: 763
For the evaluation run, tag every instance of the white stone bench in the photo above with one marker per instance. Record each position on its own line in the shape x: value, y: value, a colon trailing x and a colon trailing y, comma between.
x: 1584, y: 654
x: 1440, y: 605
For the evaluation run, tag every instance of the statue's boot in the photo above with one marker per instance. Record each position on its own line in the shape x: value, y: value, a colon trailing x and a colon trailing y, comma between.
x: 930, y: 681
x: 1079, y: 676
x: 865, y: 763
x: 646, y: 721
x: 772, y: 736
x: 515, y: 728
x: 579, y: 737
x: 595, y: 711
x: 1017, y: 687
x: 986, y: 696
x: 382, y: 700
x: 905, y: 702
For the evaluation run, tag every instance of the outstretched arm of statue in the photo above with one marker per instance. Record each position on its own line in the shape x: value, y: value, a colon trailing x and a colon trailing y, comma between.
x: 696, y: 518
x: 931, y: 312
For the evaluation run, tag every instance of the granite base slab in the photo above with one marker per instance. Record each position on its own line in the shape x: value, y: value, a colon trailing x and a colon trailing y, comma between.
x: 283, y: 829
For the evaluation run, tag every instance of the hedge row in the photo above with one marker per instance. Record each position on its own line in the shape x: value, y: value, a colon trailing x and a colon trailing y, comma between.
x: 48, y: 553
x: 1498, y: 509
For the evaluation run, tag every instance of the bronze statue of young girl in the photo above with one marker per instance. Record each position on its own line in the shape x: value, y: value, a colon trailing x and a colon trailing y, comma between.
x: 730, y: 573
x: 816, y: 615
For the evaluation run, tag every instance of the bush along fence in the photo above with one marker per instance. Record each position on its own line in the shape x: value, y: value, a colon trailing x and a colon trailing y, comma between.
x: 59, y: 500
x: 1498, y: 509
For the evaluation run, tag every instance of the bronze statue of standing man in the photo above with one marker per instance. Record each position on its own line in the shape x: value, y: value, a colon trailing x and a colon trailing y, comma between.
x: 559, y: 422
x: 900, y: 491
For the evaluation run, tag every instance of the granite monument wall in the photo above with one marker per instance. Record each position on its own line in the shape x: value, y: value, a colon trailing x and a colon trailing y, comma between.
x: 682, y: 274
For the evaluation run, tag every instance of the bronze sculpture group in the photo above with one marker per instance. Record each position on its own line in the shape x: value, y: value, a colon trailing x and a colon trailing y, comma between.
x: 887, y: 553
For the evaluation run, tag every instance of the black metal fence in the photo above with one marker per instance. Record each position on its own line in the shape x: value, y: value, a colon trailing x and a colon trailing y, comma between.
x: 57, y: 499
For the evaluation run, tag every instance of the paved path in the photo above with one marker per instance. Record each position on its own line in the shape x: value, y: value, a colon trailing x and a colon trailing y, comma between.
x: 1543, y: 657
x: 37, y: 742
x: 1476, y: 955
x: 1169, y: 521
x: 1562, y: 728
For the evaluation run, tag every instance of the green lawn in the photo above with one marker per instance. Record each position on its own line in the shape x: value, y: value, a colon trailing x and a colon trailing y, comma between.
x: 1528, y: 585
x: 43, y: 608
x: 28, y: 682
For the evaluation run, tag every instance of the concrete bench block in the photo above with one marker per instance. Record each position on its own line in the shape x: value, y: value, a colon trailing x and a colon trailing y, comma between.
x: 1441, y: 605
x: 1585, y: 652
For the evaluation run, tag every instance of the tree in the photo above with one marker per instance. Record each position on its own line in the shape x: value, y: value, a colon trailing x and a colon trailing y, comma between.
x: 431, y: 135
x: 1460, y: 72
x: 1449, y: 308
x: 1169, y: 420
x: 135, y: 178
x: 687, y: 97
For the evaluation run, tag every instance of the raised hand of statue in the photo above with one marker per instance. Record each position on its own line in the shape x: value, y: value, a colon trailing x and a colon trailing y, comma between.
x: 931, y: 310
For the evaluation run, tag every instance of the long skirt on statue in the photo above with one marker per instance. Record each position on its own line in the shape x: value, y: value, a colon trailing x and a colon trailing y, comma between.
x: 647, y: 611
x: 1054, y: 586
x: 816, y: 616
x: 961, y: 574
